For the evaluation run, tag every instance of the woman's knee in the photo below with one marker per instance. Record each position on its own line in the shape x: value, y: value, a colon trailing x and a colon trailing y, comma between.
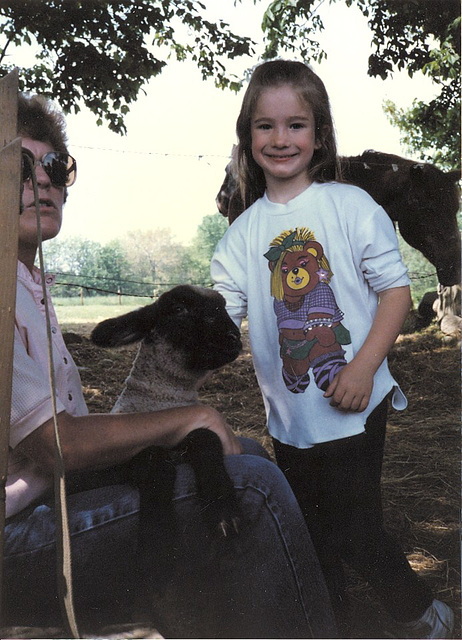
x: 261, y: 481
x: 254, y: 448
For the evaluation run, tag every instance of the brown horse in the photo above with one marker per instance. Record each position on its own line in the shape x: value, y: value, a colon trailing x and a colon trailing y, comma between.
x: 421, y: 199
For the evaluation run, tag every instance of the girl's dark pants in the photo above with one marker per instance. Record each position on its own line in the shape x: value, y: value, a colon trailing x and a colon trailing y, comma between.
x: 337, y: 485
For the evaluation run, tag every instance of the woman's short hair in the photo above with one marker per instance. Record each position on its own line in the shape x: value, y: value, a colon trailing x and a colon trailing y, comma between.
x: 40, y: 119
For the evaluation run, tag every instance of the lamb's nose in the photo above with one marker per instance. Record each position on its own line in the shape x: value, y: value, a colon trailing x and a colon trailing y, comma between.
x: 234, y: 337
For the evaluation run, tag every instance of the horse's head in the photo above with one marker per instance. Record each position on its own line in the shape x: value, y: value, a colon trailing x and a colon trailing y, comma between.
x: 228, y: 199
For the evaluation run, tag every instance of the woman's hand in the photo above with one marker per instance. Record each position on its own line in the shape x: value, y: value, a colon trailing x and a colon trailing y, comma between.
x: 205, y: 417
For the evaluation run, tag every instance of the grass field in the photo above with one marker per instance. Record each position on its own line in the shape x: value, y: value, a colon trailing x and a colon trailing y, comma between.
x: 71, y: 311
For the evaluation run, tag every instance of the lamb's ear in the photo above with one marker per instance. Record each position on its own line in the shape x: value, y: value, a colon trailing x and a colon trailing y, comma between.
x: 126, y: 329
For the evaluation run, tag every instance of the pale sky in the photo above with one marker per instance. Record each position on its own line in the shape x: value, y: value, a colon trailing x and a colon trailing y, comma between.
x: 167, y: 170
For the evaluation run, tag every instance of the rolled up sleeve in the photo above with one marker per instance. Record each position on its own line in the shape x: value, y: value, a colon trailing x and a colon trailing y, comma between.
x: 381, y: 261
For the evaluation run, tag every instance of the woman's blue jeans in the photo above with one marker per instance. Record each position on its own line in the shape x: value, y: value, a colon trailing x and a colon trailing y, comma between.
x: 264, y: 583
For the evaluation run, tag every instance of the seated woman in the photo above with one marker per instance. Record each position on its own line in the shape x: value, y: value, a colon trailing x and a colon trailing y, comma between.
x: 265, y: 582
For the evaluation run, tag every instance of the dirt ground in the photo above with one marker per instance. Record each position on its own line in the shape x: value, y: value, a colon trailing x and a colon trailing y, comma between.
x: 421, y: 476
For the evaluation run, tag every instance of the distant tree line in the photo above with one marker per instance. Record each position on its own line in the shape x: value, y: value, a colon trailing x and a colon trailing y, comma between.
x: 140, y: 263
x: 146, y: 263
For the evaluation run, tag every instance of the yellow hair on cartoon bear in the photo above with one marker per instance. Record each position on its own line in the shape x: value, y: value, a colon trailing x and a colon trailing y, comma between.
x: 302, y: 235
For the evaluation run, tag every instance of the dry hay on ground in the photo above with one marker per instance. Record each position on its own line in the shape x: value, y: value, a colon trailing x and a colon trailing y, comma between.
x: 422, y: 459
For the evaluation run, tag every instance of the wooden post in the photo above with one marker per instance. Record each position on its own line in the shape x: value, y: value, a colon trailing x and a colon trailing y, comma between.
x: 447, y: 309
x: 10, y: 183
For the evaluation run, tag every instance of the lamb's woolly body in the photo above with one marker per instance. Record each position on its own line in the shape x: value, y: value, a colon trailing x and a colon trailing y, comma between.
x: 185, y: 336
x: 159, y: 380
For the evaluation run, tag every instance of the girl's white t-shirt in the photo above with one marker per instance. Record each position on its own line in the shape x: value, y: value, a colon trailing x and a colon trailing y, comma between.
x: 360, y: 244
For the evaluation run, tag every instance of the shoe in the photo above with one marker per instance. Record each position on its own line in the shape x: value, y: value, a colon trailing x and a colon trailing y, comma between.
x: 436, y: 622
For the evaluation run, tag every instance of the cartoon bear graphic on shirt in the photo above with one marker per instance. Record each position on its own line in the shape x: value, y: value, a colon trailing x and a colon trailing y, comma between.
x: 308, y: 317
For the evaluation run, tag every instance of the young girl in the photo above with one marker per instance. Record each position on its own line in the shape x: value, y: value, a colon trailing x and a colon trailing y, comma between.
x: 315, y: 266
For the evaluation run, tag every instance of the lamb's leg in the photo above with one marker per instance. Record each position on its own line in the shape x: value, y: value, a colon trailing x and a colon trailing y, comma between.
x: 203, y: 450
x: 154, y: 475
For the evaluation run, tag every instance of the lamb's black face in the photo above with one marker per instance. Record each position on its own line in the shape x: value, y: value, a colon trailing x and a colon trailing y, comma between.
x: 192, y: 319
x: 195, y: 321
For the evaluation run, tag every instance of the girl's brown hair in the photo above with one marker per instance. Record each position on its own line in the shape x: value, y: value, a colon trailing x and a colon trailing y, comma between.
x: 324, y: 165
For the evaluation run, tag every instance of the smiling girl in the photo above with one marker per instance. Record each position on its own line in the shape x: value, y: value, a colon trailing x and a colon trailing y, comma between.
x: 315, y: 266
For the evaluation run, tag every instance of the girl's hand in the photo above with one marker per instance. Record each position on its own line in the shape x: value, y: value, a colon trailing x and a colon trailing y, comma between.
x: 351, y: 388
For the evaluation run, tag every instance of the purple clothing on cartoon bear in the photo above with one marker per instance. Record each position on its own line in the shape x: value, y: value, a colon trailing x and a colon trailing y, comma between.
x: 320, y: 300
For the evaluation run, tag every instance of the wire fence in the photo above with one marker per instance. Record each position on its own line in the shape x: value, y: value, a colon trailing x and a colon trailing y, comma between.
x: 156, y: 288
x: 421, y: 276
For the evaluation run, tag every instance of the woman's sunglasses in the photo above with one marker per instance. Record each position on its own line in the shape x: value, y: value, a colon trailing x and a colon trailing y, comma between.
x: 61, y: 168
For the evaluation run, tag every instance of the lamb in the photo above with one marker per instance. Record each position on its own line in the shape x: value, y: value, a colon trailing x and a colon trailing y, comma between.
x: 184, y: 336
